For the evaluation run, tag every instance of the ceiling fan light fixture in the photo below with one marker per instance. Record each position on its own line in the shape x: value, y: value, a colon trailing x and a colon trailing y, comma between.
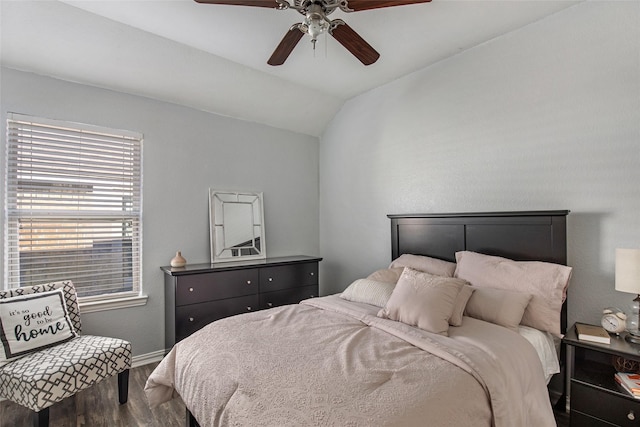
x: 315, y: 26
x: 315, y: 22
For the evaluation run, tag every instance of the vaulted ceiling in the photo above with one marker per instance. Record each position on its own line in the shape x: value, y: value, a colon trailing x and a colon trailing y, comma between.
x: 214, y: 57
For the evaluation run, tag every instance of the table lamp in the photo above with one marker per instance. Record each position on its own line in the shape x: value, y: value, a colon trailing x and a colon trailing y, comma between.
x: 628, y: 280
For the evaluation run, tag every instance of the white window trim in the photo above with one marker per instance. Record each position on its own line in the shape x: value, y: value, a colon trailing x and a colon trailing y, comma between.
x: 89, y: 306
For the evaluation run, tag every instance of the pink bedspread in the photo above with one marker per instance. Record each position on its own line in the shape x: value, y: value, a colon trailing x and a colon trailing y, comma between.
x: 331, y: 362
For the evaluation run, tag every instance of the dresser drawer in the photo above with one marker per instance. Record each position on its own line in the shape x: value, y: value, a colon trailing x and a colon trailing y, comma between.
x: 197, y: 288
x: 599, y: 404
x: 288, y: 276
x: 192, y: 317
x: 581, y: 420
x: 287, y: 296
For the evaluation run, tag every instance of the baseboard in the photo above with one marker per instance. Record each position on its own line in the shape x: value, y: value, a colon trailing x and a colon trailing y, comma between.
x: 145, y: 359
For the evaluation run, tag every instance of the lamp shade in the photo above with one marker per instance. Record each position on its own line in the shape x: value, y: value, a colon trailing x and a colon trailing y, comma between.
x: 628, y: 270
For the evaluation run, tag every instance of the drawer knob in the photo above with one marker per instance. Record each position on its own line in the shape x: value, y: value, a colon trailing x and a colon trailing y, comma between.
x: 631, y: 415
x: 248, y: 308
x: 190, y: 289
x: 271, y: 279
x: 269, y: 304
x: 312, y: 273
x: 312, y: 296
x: 191, y: 319
x: 248, y: 282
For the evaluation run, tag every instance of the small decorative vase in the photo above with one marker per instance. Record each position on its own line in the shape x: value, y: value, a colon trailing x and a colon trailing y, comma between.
x: 178, y: 260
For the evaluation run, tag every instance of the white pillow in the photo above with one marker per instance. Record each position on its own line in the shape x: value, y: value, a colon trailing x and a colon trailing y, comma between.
x: 32, y: 322
x: 386, y: 275
x: 369, y: 292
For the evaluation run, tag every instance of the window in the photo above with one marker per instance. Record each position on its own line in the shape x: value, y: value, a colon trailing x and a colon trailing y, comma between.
x: 73, y: 207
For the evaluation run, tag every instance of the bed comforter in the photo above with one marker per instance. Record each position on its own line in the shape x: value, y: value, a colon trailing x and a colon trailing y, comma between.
x: 331, y: 362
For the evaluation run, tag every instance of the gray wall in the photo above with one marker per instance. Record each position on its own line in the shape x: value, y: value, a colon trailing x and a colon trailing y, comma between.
x: 185, y: 152
x: 546, y: 117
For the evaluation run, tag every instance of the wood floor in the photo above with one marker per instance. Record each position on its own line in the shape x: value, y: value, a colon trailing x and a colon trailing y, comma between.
x: 98, y: 407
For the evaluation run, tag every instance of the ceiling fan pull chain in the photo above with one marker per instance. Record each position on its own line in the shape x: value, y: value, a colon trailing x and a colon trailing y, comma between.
x: 326, y: 43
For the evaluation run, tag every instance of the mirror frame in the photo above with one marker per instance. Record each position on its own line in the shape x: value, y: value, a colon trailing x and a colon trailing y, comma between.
x: 221, y: 201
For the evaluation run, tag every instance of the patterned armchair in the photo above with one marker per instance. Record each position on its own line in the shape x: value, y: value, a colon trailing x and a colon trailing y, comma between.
x: 44, y: 377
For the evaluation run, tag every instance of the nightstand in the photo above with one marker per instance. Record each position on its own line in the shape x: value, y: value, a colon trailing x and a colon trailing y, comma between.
x: 593, y: 396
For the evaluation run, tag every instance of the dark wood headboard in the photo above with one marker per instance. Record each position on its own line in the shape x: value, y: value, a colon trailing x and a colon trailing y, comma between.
x: 521, y: 236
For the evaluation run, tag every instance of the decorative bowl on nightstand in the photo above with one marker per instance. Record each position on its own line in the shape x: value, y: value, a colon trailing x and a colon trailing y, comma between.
x: 622, y: 364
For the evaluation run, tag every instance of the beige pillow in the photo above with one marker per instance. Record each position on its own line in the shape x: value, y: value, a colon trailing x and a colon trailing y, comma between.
x: 423, y: 300
x: 426, y: 264
x: 369, y: 292
x: 460, y: 304
x: 499, y: 306
x: 547, y: 283
x: 387, y: 275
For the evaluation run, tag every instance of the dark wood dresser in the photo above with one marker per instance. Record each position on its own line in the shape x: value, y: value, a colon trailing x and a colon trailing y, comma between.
x: 198, y: 294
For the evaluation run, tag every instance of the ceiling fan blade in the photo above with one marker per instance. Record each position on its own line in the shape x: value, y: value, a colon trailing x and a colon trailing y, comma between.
x: 284, y: 49
x: 273, y: 4
x: 357, y: 5
x: 355, y: 44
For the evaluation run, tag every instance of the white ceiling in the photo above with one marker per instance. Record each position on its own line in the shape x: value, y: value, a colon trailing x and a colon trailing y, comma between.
x: 214, y: 57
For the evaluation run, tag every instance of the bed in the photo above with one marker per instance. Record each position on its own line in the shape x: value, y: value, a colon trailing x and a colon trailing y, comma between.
x: 374, y: 356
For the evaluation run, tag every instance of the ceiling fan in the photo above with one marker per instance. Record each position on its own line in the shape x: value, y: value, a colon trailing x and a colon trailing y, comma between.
x: 316, y: 23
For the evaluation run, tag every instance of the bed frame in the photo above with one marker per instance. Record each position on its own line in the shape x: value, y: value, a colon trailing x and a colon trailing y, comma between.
x: 521, y: 236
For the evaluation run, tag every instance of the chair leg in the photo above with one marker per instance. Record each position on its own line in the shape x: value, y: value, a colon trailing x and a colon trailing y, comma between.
x: 41, y: 418
x: 123, y: 386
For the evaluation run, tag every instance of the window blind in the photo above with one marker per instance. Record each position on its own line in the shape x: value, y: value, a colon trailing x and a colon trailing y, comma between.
x: 73, y: 207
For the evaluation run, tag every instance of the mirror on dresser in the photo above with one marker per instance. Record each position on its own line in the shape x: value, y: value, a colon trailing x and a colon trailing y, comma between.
x: 236, y: 225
